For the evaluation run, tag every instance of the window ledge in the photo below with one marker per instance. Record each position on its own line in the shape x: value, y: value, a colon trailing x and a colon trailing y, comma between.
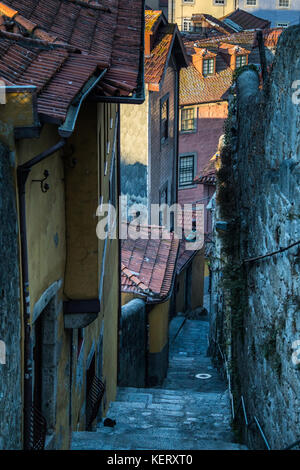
x: 189, y: 132
x: 190, y: 186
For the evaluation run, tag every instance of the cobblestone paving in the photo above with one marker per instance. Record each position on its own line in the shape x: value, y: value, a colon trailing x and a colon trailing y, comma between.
x: 185, y: 413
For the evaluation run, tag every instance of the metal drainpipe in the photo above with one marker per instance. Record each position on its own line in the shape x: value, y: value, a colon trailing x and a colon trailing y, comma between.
x: 22, y: 175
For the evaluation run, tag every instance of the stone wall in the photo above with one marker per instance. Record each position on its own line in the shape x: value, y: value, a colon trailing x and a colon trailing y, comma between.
x: 133, y: 344
x: 256, y: 305
x: 10, y: 320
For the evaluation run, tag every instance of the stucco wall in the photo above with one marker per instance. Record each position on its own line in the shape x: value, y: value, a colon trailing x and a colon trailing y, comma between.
x: 163, y: 158
x: 10, y: 317
x: 258, y: 305
x: 182, y: 10
x: 269, y: 10
x: 133, y: 344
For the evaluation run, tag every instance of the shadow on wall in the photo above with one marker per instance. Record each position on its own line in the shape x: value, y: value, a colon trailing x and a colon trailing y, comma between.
x: 134, y: 179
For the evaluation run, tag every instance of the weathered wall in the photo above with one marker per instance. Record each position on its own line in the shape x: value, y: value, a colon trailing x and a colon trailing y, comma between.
x: 133, y: 345
x: 163, y: 158
x: 158, y: 343
x: 261, y: 312
x: 10, y: 318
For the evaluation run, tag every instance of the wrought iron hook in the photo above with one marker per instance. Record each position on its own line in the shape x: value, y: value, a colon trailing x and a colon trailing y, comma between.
x: 44, y: 186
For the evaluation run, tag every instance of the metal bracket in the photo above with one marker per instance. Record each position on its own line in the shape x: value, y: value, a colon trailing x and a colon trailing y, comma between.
x: 44, y: 186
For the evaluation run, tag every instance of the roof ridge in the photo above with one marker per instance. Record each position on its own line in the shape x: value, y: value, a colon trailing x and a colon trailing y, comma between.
x: 169, y: 266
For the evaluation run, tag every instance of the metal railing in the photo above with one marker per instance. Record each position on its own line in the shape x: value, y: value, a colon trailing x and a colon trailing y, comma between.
x: 94, y: 400
x: 249, y: 423
x: 38, y: 430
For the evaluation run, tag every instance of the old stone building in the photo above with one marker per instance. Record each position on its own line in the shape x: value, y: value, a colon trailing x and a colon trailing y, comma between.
x: 66, y: 65
x: 255, y: 325
x: 149, y: 134
x: 204, y: 89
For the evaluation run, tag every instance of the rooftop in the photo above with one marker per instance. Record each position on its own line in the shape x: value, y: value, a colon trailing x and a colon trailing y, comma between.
x: 148, y: 265
x: 166, y: 39
x: 246, y: 20
x: 58, y: 45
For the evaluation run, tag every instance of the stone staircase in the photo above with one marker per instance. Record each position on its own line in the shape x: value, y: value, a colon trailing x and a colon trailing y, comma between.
x: 186, y: 413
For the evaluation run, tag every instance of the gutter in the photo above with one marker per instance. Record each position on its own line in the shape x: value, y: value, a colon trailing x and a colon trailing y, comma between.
x: 22, y: 176
x: 139, y: 96
x: 67, y: 128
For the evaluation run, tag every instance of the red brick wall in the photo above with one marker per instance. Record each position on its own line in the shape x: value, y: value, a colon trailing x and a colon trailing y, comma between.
x: 203, y: 143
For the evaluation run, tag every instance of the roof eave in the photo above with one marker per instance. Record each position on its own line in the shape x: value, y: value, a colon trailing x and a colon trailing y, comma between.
x: 67, y: 128
x: 139, y: 96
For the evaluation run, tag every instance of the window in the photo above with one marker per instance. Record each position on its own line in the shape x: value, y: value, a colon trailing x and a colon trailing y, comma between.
x: 187, y: 25
x: 284, y: 3
x: 164, y: 119
x: 241, y: 60
x: 282, y: 25
x: 186, y: 170
x: 250, y: 3
x: 188, y: 120
x: 208, y: 67
x: 219, y: 2
x: 187, y: 1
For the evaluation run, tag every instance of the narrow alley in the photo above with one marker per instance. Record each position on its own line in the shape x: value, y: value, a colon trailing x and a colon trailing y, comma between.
x: 185, y: 413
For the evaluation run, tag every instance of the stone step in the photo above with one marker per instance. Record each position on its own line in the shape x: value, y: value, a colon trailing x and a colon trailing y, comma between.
x: 147, y: 441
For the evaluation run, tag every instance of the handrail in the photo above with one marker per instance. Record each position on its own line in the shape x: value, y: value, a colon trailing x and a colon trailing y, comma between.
x: 255, y: 420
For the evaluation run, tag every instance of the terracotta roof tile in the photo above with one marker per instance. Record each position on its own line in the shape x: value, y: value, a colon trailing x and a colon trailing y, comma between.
x: 156, y: 63
x: 148, y: 265
x: 151, y: 17
x: 197, y: 89
x: 106, y: 35
x: 246, y: 20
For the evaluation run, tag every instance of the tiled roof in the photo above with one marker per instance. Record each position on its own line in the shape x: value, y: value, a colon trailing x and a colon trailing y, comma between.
x: 196, y: 89
x: 215, y: 23
x: 246, y: 20
x: 184, y: 256
x: 151, y: 17
x: 165, y: 37
x: 58, y: 74
x: 156, y: 63
x: 65, y: 42
x: 148, y: 265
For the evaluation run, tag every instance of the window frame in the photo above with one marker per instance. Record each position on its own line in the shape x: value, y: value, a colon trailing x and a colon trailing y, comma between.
x: 163, y: 100
x: 240, y: 56
x: 280, y: 24
x: 281, y: 7
x: 189, y: 184
x: 194, y: 119
x: 190, y: 28
x: 251, y: 5
x: 214, y: 64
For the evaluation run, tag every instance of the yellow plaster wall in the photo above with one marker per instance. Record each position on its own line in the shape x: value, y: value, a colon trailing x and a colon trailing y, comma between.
x: 45, y: 213
x: 81, y: 280
x: 201, y: 6
x: 158, y: 327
